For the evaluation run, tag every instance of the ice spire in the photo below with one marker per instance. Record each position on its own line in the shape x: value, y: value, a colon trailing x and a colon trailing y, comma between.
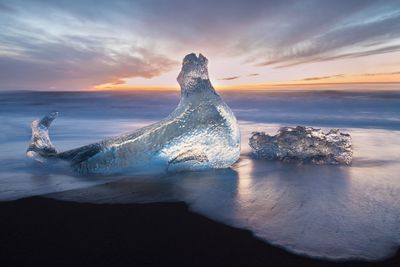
x: 193, y: 77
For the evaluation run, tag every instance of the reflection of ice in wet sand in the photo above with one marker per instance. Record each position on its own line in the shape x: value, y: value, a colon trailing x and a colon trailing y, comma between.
x: 323, y: 211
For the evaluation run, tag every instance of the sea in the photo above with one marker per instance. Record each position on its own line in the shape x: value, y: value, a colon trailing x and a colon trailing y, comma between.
x: 322, y: 211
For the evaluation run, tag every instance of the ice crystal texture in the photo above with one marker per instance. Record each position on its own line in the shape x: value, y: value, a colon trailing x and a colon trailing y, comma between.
x: 41, y: 144
x: 303, y: 144
x: 201, y: 133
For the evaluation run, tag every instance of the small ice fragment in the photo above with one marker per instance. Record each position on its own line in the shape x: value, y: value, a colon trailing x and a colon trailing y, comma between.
x: 303, y: 144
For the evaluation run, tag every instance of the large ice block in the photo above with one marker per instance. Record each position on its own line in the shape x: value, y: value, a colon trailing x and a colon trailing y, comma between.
x: 201, y: 133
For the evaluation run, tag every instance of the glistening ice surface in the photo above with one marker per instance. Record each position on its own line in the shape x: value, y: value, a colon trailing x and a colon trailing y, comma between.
x: 303, y: 145
x: 201, y: 133
x: 325, y: 211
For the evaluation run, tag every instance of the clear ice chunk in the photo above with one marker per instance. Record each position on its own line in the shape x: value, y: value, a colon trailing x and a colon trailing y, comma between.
x: 41, y: 145
x: 303, y: 144
x: 201, y: 133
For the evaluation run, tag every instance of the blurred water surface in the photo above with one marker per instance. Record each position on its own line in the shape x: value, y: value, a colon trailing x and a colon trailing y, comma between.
x: 337, y: 212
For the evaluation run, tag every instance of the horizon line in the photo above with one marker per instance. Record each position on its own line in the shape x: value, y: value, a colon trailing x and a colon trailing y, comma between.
x: 259, y: 86
x: 342, y: 86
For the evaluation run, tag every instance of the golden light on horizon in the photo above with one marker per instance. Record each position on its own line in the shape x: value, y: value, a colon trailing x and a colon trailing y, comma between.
x: 366, y: 80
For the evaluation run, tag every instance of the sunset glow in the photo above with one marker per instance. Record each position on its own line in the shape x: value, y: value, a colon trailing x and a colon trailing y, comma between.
x: 137, y: 45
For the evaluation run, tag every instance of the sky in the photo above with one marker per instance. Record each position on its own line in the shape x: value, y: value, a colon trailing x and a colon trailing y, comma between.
x: 94, y: 45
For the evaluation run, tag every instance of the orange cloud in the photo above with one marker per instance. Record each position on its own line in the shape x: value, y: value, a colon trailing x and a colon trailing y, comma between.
x: 229, y: 78
x: 322, y: 77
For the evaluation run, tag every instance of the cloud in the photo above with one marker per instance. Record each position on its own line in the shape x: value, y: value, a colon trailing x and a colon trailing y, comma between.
x: 381, y: 73
x: 395, y: 73
x: 237, y: 77
x: 65, y: 67
x: 5, y: 8
x: 75, y: 44
x: 356, y: 54
x: 322, y: 77
x: 229, y: 78
x: 367, y: 37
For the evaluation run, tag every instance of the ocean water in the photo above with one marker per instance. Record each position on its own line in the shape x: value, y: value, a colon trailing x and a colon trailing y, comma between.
x: 335, y: 212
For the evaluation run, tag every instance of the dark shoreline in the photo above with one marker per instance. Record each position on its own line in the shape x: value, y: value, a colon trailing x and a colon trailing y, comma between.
x: 38, y: 231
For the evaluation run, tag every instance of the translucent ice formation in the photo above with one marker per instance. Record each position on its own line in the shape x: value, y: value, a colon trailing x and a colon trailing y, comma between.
x: 201, y: 133
x: 303, y: 144
x: 41, y: 144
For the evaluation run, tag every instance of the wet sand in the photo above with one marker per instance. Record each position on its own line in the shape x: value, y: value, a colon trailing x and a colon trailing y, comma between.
x: 38, y: 231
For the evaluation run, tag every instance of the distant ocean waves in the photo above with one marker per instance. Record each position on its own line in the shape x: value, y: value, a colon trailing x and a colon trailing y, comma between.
x: 320, y: 108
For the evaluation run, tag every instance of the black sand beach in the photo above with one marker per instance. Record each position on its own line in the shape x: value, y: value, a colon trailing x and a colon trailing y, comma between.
x: 39, y: 231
